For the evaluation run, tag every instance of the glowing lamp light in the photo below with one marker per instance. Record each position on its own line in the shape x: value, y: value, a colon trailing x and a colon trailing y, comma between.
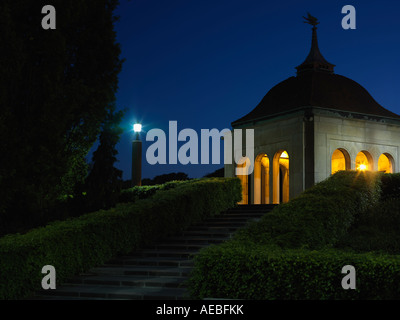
x: 362, y: 167
x: 137, y: 127
x: 284, y: 155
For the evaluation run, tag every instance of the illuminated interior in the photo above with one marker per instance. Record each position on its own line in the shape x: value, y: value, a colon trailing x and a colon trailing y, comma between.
x: 385, y: 163
x: 363, y: 161
x: 340, y: 161
x: 281, y: 177
x: 244, y: 179
x: 261, y: 179
x: 271, y: 184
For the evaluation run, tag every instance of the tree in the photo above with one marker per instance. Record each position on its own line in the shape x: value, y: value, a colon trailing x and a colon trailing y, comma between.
x: 56, y: 89
x: 219, y: 173
x: 104, y: 182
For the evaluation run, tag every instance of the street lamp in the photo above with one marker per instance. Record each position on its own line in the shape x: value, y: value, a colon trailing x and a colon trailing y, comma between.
x: 137, y: 127
x: 137, y: 156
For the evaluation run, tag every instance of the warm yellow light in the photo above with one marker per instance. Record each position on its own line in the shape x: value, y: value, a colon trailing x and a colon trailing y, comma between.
x: 284, y: 155
x: 384, y: 164
x: 362, y: 167
x: 265, y: 162
x: 338, y: 161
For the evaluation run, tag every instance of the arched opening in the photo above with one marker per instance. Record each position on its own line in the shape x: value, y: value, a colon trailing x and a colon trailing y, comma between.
x: 364, y: 161
x: 281, y: 177
x: 242, y: 172
x: 261, y: 179
x: 385, y: 163
x: 340, y: 161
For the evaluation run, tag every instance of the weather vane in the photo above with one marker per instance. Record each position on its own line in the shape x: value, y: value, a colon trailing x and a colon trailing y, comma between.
x: 311, y: 20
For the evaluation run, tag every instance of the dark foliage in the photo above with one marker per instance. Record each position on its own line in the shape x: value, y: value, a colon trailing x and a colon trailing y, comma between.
x: 76, y: 245
x: 103, y: 185
x: 161, y: 179
x: 377, y: 229
x: 297, y: 251
x: 143, y: 192
x: 216, y: 174
x: 56, y: 89
x: 391, y: 186
x: 320, y: 216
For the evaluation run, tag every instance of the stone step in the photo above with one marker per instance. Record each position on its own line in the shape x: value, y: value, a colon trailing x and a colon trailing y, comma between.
x: 118, y: 270
x: 216, y: 229
x: 167, y: 253
x: 242, y: 215
x: 43, y: 296
x: 130, y: 281
x: 193, y: 239
x: 152, y: 261
x: 173, y: 246
x: 228, y: 218
x: 117, y: 292
x: 223, y: 223
x: 210, y: 234
x: 159, y: 271
x: 251, y: 208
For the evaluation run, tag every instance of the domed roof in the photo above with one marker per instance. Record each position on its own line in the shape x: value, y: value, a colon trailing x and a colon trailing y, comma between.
x: 316, y: 85
x: 317, y: 89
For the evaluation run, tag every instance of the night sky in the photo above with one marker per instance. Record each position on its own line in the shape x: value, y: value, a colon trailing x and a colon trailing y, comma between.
x: 206, y: 63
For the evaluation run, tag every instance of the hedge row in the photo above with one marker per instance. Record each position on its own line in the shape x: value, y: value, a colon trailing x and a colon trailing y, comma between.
x: 377, y: 229
x: 76, y: 245
x: 321, y: 215
x: 143, y: 192
x: 275, y: 258
x: 266, y: 273
x: 390, y: 185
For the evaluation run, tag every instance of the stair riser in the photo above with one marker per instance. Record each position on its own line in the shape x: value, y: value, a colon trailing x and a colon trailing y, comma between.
x: 154, y: 263
x: 200, y: 241
x: 131, y: 296
x: 213, y: 229
x: 182, y: 273
x: 209, y: 234
x: 141, y: 284
x: 165, y: 254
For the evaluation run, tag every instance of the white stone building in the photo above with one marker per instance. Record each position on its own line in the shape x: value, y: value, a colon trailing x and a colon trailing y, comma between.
x: 310, y: 126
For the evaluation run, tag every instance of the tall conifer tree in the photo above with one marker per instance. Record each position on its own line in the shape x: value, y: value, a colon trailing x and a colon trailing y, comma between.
x: 56, y: 89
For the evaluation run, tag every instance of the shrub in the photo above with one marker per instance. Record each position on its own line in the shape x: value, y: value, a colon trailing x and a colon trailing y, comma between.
x: 76, y: 245
x: 276, y: 258
x: 377, y: 229
x: 143, y: 192
x: 320, y: 216
x: 268, y: 273
x: 390, y: 185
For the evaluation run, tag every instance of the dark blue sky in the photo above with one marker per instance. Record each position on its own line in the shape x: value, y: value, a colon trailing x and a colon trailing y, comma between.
x: 206, y: 63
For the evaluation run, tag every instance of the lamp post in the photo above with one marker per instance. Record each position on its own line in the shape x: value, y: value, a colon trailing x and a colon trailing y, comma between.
x: 137, y: 156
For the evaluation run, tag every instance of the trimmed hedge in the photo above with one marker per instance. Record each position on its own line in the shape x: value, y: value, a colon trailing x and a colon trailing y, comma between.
x: 267, y: 273
x: 390, y: 185
x: 320, y: 216
x: 276, y: 258
x: 377, y: 229
x: 143, y: 192
x: 76, y: 245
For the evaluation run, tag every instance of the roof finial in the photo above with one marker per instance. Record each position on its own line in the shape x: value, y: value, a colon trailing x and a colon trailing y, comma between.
x: 314, y: 61
x: 311, y: 20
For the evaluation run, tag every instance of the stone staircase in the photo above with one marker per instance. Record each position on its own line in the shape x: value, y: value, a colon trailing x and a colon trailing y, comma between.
x: 157, y: 272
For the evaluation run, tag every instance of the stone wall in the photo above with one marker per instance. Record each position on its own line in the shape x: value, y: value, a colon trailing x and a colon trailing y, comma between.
x: 270, y: 138
x: 353, y: 135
